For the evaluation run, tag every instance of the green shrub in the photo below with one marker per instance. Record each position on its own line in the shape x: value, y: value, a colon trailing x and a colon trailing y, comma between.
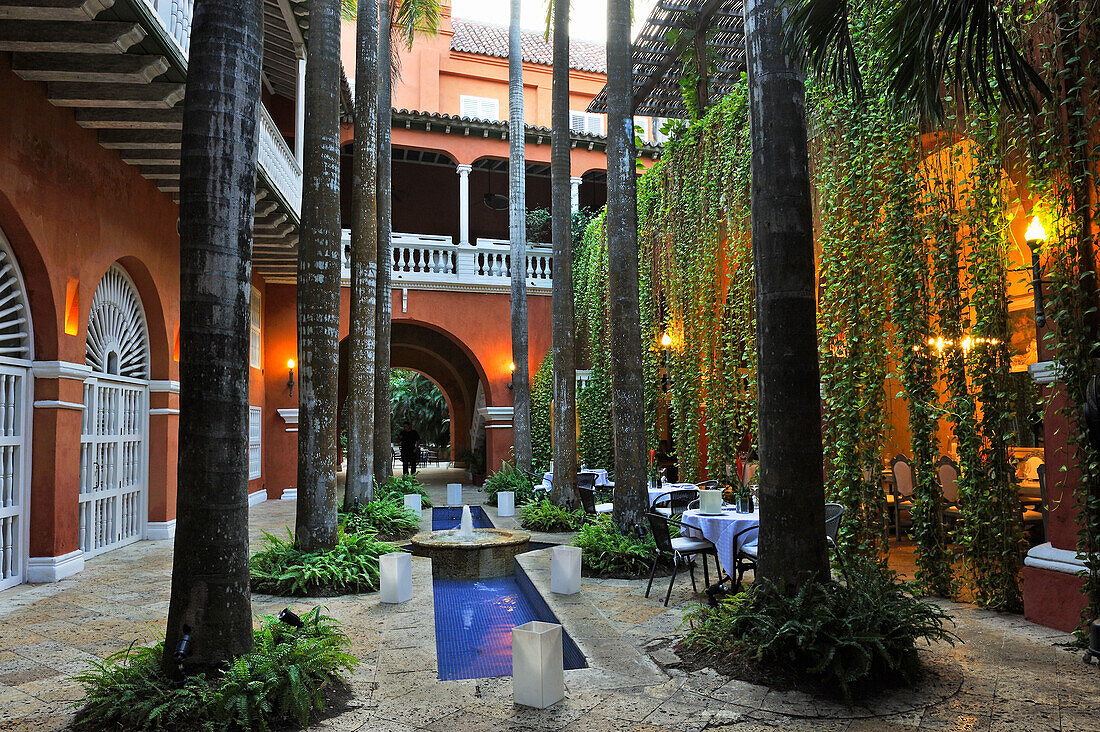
x: 387, y: 518
x: 398, y: 486
x: 550, y: 517
x: 509, y: 478
x: 833, y: 636
x: 606, y: 552
x: 282, y: 680
x: 280, y: 568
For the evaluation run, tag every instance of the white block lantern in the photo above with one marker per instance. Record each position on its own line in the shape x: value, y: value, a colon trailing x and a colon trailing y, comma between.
x: 537, y: 676
x: 414, y: 503
x: 395, y: 570
x: 454, y: 494
x: 565, y: 570
x: 506, y: 503
x: 710, y: 502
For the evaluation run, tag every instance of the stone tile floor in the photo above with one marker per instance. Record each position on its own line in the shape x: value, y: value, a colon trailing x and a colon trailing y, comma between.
x: 1008, y: 674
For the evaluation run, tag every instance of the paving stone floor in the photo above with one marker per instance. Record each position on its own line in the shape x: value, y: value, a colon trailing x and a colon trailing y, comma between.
x: 1008, y: 674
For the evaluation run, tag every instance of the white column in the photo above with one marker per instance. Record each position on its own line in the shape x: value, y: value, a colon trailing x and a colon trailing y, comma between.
x: 300, y: 113
x: 575, y: 194
x: 464, y: 204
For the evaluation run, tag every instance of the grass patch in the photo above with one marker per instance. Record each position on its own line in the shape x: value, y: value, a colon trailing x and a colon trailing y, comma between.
x: 387, y: 518
x: 550, y: 517
x: 283, y: 680
x: 280, y: 568
x: 832, y: 639
x: 605, y: 552
x: 509, y: 478
x: 397, y: 487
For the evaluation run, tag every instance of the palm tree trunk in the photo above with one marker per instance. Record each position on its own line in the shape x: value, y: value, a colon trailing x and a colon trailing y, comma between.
x: 561, y: 294
x: 792, y: 496
x: 319, y: 284
x: 382, y: 408
x: 517, y: 220
x: 628, y: 400
x: 210, y: 583
x: 359, y: 485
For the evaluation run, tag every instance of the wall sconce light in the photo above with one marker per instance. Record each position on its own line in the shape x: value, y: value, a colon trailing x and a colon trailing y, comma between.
x: 1035, y: 236
x: 511, y: 370
x: 290, y: 379
x: 666, y: 340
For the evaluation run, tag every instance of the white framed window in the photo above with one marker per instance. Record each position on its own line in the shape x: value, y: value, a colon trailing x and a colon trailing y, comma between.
x: 255, y: 353
x: 479, y: 107
x: 255, y: 453
x: 585, y: 122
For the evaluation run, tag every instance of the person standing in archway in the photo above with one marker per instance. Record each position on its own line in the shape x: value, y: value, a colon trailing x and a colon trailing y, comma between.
x: 409, y: 441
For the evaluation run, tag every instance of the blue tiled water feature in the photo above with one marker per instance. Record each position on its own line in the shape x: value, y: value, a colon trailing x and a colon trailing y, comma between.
x: 474, y: 618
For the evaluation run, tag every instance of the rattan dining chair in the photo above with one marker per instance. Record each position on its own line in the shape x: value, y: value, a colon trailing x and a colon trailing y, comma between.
x: 901, y: 498
x: 947, y: 470
x: 673, y: 503
x: 588, y: 501
x: 682, y: 549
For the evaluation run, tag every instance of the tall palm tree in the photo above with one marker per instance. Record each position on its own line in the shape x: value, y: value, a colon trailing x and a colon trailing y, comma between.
x: 561, y: 294
x: 319, y: 284
x: 359, y: 485
x: 402, y: 20
x: 210, y: 582
x: 792, y: 494
x: 628, y: 401
x: 517, y: 224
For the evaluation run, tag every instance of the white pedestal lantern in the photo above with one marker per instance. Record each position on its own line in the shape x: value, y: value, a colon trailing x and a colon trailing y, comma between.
x: 537, y: 676
x: 395, y: 572
x: 415, y: 503
x: 710, y: 502
x: 565, y: 570
x: 506, y: 503
x: 454, y: 494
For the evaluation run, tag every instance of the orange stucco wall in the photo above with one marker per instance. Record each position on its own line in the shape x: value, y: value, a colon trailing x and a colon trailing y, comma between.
x: 71, y: 209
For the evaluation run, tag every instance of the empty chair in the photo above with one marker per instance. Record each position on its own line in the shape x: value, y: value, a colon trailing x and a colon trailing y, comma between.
x: 674, y: 503
x: 1038, y: 515
x: 834, y: 512
x: 588, y: 501
x: 708, y: 485
x: 948, y: 473
x: 586, y: 479
x: 901, y: 499
x: 681, y: 549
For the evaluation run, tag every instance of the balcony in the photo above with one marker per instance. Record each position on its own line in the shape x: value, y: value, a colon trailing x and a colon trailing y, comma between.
x: 435, y: 262
x: 278, y: 165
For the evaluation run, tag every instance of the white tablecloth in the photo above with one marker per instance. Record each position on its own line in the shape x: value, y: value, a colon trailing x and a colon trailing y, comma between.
x: 721, y: 530
x: 601, y: 478
x: 654, y: 493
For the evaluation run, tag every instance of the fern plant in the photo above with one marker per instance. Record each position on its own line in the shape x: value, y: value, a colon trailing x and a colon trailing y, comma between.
x: 387, y: 518
x: 550, y: 517
x: 396, y: 487
x: 281, y: 681
x: 280, y: 568
x: 605, y: 551
x: 509, y: 478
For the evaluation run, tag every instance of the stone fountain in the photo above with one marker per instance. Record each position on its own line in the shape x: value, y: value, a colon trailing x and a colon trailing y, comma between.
x: 468, y: 553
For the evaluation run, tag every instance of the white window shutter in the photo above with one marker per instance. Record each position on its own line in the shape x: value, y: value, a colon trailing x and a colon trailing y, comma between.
x: 255, y: 454
x: 486, y: 108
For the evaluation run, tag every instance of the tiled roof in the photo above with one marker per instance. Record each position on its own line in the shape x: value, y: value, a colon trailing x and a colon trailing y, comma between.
x: 492, y: 40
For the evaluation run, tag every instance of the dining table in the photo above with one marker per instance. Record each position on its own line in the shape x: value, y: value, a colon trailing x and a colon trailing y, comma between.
x: 728, y: 531
x: 657, y: 491
x: 601, y: 478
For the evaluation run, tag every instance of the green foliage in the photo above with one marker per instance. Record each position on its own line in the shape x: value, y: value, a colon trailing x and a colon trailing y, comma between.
x: 282, y: 680
x: 542, y: 394
x: 509, y: 478
x: 550, y: 517
x: 839, y: 637
x: 387, y: 518
x: 606, y: 551
x: 396, y: 487
x: 420, y: 402
x: 280, y: 568
x: 538, y: 225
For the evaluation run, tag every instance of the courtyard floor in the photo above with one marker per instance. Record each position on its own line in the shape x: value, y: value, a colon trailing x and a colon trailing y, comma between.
x: 1007, y: 674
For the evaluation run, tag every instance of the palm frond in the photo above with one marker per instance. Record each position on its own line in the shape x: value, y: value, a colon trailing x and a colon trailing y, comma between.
x: 817, y: 35
x: 962, y: 44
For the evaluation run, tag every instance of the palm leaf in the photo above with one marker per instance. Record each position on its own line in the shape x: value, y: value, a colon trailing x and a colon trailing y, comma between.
x: 817, y: 36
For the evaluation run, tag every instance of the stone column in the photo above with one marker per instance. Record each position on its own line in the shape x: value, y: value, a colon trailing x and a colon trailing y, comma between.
x: 164, y: 422
x: 464, y: 204
x: 575, y: 194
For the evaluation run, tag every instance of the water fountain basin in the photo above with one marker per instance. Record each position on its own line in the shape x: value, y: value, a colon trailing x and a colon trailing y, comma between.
x: 488, y: 553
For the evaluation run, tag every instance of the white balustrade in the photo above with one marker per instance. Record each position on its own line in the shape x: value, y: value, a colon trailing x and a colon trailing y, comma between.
x: 278, y: 164
x: 436, y: 261
x: 175, y: 16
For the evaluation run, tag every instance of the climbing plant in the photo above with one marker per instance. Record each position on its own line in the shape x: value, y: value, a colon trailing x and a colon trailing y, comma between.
x: 542, y: 393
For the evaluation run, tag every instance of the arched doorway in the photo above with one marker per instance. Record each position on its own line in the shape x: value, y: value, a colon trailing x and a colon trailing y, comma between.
x: 16, y: 346
x: 113, y: 447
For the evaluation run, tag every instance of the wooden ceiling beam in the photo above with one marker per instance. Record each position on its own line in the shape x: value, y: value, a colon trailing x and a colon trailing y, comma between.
x: 154, y: 95
x: 53, y: 9
x: 44, y: 36
x: 131, y: 119
x: 114, y: 68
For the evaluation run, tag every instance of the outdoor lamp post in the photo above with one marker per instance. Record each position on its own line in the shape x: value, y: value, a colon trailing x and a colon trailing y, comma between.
x: 290, y: 379
x: 1035, y: 236
x: 511, y: 370
x: 666, y: 343
x: 666, y: 340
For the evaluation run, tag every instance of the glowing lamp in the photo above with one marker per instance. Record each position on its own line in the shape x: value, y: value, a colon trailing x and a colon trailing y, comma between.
x: 1035, y: 236
x: 290, y: 379
x: 666, y: 340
